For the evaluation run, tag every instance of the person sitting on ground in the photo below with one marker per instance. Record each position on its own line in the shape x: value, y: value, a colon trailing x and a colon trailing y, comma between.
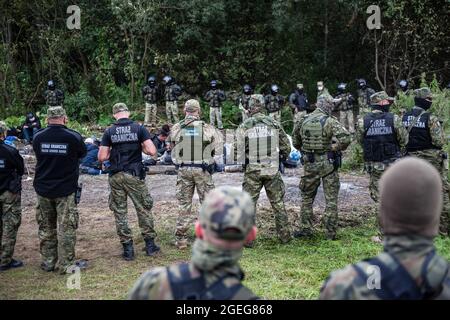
x: 31, y: 125
x: 90, y: 164
x: 226, y: 222
x: 409, y: 268
x: 159, y: 140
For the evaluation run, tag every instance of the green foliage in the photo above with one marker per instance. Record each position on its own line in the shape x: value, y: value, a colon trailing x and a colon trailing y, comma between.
x: 353, y: 157
x: 14, y: 121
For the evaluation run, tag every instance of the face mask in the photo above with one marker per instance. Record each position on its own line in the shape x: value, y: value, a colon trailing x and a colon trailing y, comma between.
x: 423, y: 103
x: 320, y: 88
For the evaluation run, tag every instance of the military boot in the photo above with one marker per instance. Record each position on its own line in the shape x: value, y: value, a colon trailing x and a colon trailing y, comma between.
x: 181, y: 244
x: 303, y: 234
x: 151, y: 248
x: 128, y: 251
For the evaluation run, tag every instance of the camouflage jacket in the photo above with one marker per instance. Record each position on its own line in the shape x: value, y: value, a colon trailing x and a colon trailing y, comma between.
x: 331, y: 129
x: 155, y: 284
x: 172, y: 92
x: 242, y: 101
x: 150, y: 94
x: 364, y: 97
x: 211, y: 139
x: 54, y: 97
x: 346, y: 102
x: 413, y: 252
x: 275, y: 146
x: 274, y: 103
x: 400, y: 131
x: 324, y: 93
x: 215, y: 98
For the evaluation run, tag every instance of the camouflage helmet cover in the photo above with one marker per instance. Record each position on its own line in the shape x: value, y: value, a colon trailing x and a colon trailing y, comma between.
x: 256, y: 103
x: 56, y: 112
x: 378, y: 97
x: 227, y: 213
x: 119, y: 107
x: 423, y: 93
x: 191, y: 106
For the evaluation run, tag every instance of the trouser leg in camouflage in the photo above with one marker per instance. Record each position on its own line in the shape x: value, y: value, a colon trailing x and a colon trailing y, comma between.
x: 10, y: 218
x: 347, y: 120
x: 58, y: 223
x: 275, y: 189
x: 122, y: 186
x: 187, y: 181
x: 215, y: 114
x: 314, y: 174
x: 276, y: 116
x: 150, y: 113
x: 172, y: 111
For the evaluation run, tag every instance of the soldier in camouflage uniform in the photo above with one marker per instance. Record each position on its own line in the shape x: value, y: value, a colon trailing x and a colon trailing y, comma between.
x: 215, y: 97
x: 321, y: 138
x: 58, y: 153
x: 345, y: 106
x: 409, y: 268
x: 261, y: 145
x: 364, y: 94
x: 171, y: 93
x: 194, y: 144
x: 11, y: 171
x: 53, y: 97
x: 323, y: 91
x: 123, y: 144
x: 243, y: 100
x: 150, y: 93
x: 274, y: 103
x: 382, y: 137
x: 226, y: 223
x: 426, y: 141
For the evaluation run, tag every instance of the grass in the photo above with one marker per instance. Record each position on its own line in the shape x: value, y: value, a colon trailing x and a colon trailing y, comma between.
x: 273, y: 271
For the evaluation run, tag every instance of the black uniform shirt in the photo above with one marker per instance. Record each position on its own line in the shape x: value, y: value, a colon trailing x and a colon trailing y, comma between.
x: 58, y: 152
x: 10, y: 161
x: 122, y: 132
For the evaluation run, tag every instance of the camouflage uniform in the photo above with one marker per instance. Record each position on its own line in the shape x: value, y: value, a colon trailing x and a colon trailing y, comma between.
x: 313, y: 136
x: 346, y: 111
x: 376, y: 169
x: 243, y: 105
x: 58, y: 223
x: 191, y: 163
x: 151, y: 108
x: 364, y: 100
x: 274, y: 104
x: 213, y: 273
x: 215, y: 98
x: 172, y: 92
x: 11, y: 171
x: 54, y: 98
x: 435, y: 154
x: 411, y: 251
x: 261, y: 142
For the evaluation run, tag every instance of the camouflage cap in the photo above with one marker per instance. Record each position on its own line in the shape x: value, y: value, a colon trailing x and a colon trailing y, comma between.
x: 228, y: 213
x: 119, y: 107
x: 192, y: 105
x: 3, y: 128
x: 56, y: 112
x: 423, y: 93
x: 256, y: 103
x: 377, y: 97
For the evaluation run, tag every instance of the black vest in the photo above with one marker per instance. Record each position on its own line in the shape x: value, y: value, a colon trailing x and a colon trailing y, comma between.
x: 380, y: 140
x: 126, y: 149
x: 419, y: 136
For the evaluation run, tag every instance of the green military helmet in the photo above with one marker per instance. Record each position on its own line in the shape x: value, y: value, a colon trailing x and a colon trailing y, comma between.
x: 192, y: 106
x: 423, y: 93
x: 378, y: 97
x: 119, y: 107
x: 3, y: 128
x: 56, y: 112
x: 227, y: 213
x: 256, y: 103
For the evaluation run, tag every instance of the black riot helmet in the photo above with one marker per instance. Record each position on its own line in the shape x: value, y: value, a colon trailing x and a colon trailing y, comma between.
x: 168, y: 80
x: 151, y: 81
x: 342, y: 87
x: 403, y: 84
x: 274, y: 89
x: 362, y: 84
x: 51, y: 85
x: 247, y: 89
x: 214, y: 84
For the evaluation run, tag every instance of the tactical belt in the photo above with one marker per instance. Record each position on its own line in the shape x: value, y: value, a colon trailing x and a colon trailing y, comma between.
x: 313, y: 157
